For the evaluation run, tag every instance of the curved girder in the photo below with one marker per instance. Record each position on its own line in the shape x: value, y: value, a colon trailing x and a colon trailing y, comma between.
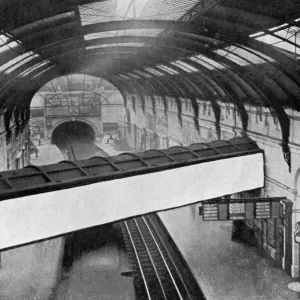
x: 138, y: 24
x: 274, y: 105
x: 154, y: 89
x: 265, y: 77
x: 286, y: 89
x: 54, y: 30
x: 131, y: 52
x: 211, y: 97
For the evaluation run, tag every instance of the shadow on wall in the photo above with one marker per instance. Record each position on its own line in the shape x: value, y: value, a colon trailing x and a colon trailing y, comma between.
x: 31, y: 272
x: 84, y: 241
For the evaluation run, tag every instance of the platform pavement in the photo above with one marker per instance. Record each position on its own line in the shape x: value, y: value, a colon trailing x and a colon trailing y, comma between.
x: 225, y: 270
x: 47, y: 154
x: 97, y: 275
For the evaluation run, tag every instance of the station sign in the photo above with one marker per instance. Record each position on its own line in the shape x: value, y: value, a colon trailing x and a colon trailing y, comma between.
x: 241, y: 209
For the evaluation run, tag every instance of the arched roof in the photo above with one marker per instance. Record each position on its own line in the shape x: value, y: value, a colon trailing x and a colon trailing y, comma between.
x: 242, y: 51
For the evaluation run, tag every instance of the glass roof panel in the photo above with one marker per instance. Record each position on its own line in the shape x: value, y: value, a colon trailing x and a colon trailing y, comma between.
x: 166, y: 9
x: 110, y: 10
x: 143, y: 74
x: 8, y: 46
x: 184, y: 66
x: 155, y: 72
x: 134, y: 75
x: 34, y: 67
x: 127, y: 32
x: 123, y: 76
x: 167, y: 69
x: 115, y: 45
x: 280, y: 43
x: 246, y: 55
x: 3, y: 39
x: 291, y: 34
x: 268, y: 58
x: 256, y: 34
x: 203, y: 63
x: 282, y: 37
x: 20, y: 63
x: 278, y: 27
x: 232, y: 57
x: 15, y: 60
x: 209, y: 61
x: 116, y: 10
x: 39, y: 74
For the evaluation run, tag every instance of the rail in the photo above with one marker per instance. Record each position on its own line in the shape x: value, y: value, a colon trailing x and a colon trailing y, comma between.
x: 156, y: 273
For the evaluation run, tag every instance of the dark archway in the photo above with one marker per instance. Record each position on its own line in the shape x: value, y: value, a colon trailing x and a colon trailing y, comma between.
x: 72, y: 131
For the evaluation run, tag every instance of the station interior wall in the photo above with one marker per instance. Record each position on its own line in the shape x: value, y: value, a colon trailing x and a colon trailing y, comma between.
x: 262, y: 128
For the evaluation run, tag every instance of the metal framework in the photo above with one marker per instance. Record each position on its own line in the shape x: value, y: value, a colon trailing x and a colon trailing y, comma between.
x: 242, y: 51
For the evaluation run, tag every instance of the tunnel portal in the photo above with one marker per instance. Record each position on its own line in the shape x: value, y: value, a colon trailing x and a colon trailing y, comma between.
x: 73, y: 131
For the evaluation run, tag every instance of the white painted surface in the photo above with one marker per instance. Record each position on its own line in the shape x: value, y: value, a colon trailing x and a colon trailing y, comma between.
x: 35, y: 217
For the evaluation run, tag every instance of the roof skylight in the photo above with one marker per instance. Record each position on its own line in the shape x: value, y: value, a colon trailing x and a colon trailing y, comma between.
x: 143, y: 73
x: 126, y: 32
x: 21, y: 62
x: 7, y: 46
x: 134, y: 75
x: 115, y: 45
x: 278, y: 27
x: 114, y: 10
x: 184, y: 66
x: 167, y: 69
x: 154, y: 72
x: 284, y: 36
x: 283, y: 39
x: 123, y: 76
x: 34, y: 67
x: 201, y: 58
x: 256, y: 34
x: 15, y: 62
x: 39, y: 74
x: 232, y: 57
x: 203, y: 63
x: 3, y: 39
x: 111, y: 10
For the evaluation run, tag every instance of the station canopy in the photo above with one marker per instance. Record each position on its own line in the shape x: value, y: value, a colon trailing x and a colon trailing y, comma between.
x: 238, y: 51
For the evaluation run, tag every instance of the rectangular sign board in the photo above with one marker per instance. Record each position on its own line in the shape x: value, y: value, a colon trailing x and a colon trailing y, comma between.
x: 241, y: 209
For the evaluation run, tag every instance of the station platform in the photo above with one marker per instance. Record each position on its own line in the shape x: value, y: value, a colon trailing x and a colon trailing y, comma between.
x: 224, y: 269
x: 97, y: 275
x: 48, y: 154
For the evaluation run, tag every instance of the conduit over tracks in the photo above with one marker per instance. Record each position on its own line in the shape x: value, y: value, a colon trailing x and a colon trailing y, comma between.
x: 55, y: 199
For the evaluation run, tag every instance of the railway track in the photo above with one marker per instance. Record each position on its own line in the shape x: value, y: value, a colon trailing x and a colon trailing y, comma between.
x: 158, y: 273
x: 81, y: 149
x: 159, y: 270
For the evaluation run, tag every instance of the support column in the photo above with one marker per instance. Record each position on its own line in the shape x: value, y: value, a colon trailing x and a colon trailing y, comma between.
x: 288, y: 236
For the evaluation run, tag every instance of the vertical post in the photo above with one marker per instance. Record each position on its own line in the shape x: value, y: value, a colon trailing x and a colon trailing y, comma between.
x: 288, y: 236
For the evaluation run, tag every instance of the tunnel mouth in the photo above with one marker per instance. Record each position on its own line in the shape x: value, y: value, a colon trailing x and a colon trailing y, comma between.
x: 72, y: 131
